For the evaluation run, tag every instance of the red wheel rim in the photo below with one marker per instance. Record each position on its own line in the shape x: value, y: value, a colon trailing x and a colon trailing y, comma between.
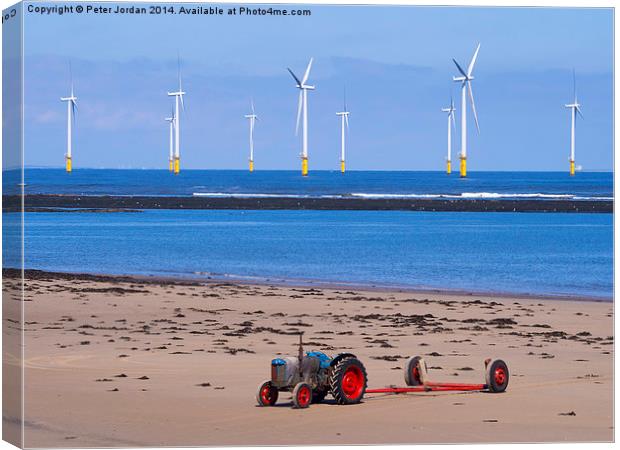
x: 304, y: 395
x: 500, y: 376
x: 353, y: 382
x: 415, y: 373
x: 265, y: 394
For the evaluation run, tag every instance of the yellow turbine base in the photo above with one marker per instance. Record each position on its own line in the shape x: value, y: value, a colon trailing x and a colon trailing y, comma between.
x: 463, y: 167
x: 572, y: 168
x: 251, y: 166
x: 342, y: 166
x: 177, y: 166
x: 448, y: 167
x: 68, y: 165
x: 170, y: 165
x: 304, y: 166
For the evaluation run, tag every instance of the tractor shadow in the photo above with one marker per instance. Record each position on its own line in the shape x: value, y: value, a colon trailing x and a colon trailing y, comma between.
x: 289, y: 404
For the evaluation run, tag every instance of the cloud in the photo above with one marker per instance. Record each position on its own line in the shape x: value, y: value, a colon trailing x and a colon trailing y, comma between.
x: 46, y: 116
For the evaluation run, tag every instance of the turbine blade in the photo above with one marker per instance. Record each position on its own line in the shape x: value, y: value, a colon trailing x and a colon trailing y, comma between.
x: 472, y: 62
x: 294, y: 76
x: 473, y: 104
x: 346, y: 120
x: 252, y: 105
x: 579, y: 112
x: 307, y: 73
x: 460, y: 68
x: 71, y: 77
x: 345, y: 99
x: 574, y: 87
x: 299, y: 105
x: 182, y: 102
x: 453, y: 122
x: 179, y: 71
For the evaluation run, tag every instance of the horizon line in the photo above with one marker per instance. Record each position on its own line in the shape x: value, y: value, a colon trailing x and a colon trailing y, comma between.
x: 296, y: 170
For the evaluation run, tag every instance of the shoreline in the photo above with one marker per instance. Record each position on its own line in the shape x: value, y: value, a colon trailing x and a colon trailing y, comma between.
x: 13, y: 203
x: 202, y: 280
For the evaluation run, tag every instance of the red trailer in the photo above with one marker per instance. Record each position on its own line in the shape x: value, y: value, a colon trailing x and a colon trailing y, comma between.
x: 416, y: 378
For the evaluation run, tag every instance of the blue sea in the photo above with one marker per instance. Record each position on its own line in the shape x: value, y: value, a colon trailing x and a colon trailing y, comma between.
x: 526, y: 185
x: 521, y: 253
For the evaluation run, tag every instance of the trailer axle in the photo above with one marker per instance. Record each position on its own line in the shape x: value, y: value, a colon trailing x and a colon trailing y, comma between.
x: 429, y: 387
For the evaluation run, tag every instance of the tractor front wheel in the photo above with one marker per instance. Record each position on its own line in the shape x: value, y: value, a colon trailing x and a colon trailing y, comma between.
x: 267, y: 394
x: 348, y: 381
x: 302, y: 395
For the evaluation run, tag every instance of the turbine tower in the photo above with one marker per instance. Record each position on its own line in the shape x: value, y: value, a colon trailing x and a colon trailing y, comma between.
x: 451, y: 124
x: 465, y: 80
x: 71, y: 107
x: 252, y: 118
x: 171, y: 121
x: 178, y: 97
x: 574, y: 107
x: 344, y: 121
x: 302, y: 105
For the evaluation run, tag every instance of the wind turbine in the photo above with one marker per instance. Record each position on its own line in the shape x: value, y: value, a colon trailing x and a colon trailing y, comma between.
x: 303, y: 105
x: 344, y: 120
x: 574, y: 107
x: 252, y: 118
x: 451, y: 124
x: 465, y: 80
x: 171, y: 121
x: 71, y: 107
x: 178, y: 97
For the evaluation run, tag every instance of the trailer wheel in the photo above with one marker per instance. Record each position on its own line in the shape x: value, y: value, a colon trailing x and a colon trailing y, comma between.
x: 497, y: 376
x: 302, y: 395
x: 267, y: 394
x: 413, y: 371
x: 318, y: 395
x: 348, y: 381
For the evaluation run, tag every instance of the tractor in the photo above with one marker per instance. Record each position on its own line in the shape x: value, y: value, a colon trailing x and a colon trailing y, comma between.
x: 310, y: 376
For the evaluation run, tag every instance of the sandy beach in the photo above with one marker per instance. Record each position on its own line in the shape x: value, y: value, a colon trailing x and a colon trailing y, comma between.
x: 134, y: 362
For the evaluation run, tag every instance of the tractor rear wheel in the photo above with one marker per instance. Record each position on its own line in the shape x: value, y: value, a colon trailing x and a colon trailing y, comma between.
x: 267, y: 394
x: 497, y: 376
x: 413, y: 371
x: 348, y: 381
x: 302, y: 395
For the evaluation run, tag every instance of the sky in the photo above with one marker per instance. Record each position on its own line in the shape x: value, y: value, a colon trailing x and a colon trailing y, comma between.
x: 395, y: 62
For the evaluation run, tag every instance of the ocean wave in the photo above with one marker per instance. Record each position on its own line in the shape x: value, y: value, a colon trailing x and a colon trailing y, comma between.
x: 480, y: 195
x: 388, y: 196
x: 242, y: 195
x: 396, y: 196
x: 514, y: 195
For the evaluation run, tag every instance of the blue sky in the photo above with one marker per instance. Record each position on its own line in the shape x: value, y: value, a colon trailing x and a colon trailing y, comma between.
x: 395, y: 62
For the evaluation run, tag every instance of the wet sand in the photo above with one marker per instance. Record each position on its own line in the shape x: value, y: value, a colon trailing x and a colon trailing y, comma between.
x: 115, y: 361
x: 110, y: 202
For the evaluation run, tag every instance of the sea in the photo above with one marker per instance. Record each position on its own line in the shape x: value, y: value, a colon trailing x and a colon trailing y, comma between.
x: 546, y: 254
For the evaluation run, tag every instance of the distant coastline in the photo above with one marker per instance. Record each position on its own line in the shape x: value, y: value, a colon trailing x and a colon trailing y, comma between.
x: 111, y: 202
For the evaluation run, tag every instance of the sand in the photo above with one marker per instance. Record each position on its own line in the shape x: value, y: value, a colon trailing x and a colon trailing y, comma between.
x: 133, y: 362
